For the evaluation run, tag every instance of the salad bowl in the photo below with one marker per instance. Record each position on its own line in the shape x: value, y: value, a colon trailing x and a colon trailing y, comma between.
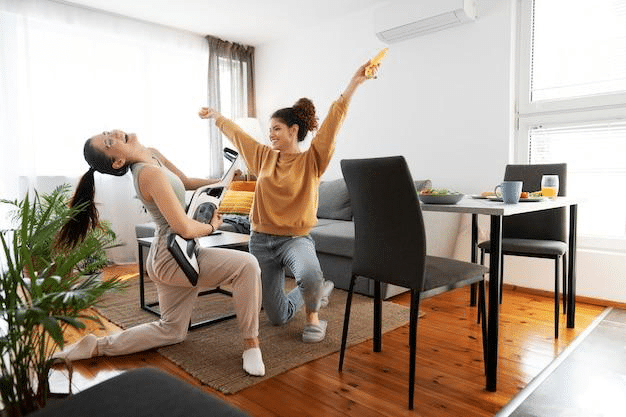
x: 440, y: 197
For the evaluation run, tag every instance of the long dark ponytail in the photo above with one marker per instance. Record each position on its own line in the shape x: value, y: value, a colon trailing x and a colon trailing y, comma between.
x: 86, y: 217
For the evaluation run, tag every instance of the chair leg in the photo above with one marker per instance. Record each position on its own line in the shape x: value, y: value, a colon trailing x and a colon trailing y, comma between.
x: 346, y: 319
x: 564, y: 290
x: 556, y: 297
x: 483, y: 309
x: 378, y: 317
x: 482, y: 262
x: 415, y: 303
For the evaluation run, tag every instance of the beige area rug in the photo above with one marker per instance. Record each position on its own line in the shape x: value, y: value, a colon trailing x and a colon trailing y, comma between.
x: 213, y: 354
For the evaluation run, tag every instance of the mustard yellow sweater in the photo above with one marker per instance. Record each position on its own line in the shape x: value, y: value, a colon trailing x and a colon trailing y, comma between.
x: 286, y: 194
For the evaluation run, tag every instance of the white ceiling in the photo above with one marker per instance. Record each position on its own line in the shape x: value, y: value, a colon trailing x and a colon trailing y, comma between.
x: 250, y: 22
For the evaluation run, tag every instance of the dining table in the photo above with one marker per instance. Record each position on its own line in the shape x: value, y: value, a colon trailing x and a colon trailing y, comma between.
x: 497, y: 210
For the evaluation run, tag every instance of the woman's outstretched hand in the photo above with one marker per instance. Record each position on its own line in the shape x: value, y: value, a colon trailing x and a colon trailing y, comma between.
x: 358, y: 78
x: 361, y: 74
x: 208, y: 113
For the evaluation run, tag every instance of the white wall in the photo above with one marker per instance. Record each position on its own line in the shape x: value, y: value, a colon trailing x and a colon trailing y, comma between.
x: 444, y: 100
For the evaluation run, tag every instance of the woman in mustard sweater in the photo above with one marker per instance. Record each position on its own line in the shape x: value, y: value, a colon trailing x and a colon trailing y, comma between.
x: 285, y: 203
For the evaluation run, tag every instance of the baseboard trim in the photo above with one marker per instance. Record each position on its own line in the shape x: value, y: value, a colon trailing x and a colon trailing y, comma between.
x: 579, y: 299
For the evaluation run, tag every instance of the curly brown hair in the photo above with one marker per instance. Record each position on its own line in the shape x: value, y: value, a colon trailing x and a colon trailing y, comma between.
x: 301, y: 113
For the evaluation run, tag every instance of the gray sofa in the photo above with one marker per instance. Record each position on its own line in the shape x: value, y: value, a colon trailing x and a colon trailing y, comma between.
x: 333, y: 235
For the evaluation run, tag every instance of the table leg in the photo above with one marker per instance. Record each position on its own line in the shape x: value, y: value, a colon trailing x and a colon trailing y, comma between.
x: 142, y: 295
x: 378, y: 316
x: 149, y: 307
x: 494, y: 291
x: 571, y: 275
x: 474, y: 255
x: 142, y: 283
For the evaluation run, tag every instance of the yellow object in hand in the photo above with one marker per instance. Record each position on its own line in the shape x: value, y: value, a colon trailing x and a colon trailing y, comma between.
x: 370, y: 71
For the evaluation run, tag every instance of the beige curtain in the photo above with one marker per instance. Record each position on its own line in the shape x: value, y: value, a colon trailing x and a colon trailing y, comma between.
x: 230, y: 90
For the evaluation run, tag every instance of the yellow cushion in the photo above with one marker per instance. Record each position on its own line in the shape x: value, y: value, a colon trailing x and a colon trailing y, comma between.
x: 242, y: 185
x: 237, y: 202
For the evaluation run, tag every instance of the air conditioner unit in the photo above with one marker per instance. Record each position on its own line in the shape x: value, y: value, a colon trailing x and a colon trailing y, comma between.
x: 398, y: 20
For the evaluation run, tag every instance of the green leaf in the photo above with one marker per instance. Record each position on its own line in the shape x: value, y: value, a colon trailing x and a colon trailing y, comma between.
x: 51, y: 325
x: 75, y: 323
x: 40, y: 290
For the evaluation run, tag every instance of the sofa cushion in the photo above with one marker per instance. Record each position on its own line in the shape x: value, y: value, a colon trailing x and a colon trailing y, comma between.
x: 324, y: 222
x: 334, y: 200
x: 336, y: 238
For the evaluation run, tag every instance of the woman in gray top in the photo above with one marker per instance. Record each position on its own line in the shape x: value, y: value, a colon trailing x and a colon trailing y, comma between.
x: 161, y: 187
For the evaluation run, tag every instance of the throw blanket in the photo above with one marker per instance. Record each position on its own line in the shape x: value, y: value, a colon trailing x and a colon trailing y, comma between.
x: 240, y: 223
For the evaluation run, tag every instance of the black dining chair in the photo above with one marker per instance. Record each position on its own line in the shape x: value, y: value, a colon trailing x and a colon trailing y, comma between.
x: 390, y: 247
x: 541, y: 234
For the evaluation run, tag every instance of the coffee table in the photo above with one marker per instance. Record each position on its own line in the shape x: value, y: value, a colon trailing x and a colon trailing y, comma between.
x: 219, y: 239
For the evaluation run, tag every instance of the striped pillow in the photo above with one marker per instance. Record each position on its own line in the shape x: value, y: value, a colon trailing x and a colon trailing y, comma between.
x: 237, y: 202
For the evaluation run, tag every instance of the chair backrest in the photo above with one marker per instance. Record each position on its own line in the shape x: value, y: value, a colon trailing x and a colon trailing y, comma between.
x: 390, y: 240
x: 543, y: 225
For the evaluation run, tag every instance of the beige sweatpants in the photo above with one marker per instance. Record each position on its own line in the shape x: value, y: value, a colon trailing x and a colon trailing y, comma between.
x: 177, y: 296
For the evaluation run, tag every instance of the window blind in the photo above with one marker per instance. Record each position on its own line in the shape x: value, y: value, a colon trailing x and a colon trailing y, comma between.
x: 596, y: 171
x: 578, y: 48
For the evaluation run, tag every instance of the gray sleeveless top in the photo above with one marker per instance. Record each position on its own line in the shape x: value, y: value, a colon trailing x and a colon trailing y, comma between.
x: 163, y: 227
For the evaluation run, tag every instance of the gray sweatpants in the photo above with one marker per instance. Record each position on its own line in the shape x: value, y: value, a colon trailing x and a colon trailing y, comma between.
x: 177, y: 296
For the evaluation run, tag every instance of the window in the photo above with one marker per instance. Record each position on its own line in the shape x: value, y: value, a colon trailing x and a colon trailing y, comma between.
x: 578, y: 49
x: 594, y: 154
x: 572, y: 106
x: 67, y: 73
x: 68, y: 79
x: 233, y: 89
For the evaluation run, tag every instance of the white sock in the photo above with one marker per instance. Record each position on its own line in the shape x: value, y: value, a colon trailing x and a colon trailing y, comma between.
x: 85, y: 348
x: 253, y: 362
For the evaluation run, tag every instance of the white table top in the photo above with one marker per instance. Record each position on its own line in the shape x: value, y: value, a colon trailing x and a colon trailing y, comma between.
x: 224, y: 239
x: 495, y: 208
x: 220, y: 239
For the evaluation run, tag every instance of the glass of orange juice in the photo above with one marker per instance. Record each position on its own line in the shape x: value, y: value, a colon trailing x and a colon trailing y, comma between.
x: 550, y: 186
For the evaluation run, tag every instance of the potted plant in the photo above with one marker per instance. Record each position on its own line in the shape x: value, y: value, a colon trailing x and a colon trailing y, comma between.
x: 43, y: 290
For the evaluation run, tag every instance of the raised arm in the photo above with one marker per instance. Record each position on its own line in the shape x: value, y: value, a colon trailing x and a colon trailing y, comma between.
x: 188, y: 182
x: 357, y: 79
x: 252, y: 151
x: 155, y: 187
x: 323, y: 143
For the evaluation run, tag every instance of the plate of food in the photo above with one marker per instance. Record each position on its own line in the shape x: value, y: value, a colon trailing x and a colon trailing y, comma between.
x: 524, y: 197
x: 440, y: 196
x: 484, y: 195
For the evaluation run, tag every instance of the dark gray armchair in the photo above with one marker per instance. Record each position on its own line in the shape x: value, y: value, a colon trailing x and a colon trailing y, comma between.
x: 390, y: 247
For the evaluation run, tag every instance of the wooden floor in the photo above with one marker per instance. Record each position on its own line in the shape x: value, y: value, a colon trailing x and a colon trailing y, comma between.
x: 450, y: 377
